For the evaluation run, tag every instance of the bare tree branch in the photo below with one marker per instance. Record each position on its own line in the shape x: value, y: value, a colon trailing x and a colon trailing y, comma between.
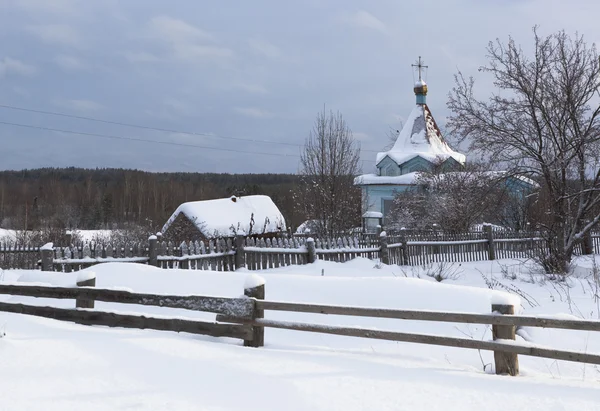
x: 329, y: 163
x: 543, y: 120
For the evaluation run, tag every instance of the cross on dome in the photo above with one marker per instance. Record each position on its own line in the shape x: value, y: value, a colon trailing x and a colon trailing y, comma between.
x: 420, y: 86
x: 420, y: 66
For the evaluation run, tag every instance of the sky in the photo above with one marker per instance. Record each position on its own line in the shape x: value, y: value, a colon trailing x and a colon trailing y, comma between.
x: 235, y: 86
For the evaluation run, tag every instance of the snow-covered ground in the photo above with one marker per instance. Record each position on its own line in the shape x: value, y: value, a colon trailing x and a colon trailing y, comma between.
x: 53, y: 365
x: 9, y: 235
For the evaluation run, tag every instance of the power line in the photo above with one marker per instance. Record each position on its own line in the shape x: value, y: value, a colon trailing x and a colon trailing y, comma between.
x: 171, y: 143
x: 136, y: 139
x: 164, y: 130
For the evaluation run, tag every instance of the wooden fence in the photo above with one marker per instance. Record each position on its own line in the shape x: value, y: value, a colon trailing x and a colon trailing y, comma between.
x: 229, y: 254
x: 504, y: 324
x: 19, y: 257
x: 85, y: 297
x: 243, y: 318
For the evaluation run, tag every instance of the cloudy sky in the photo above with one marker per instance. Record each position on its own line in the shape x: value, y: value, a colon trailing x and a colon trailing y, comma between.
x: 234, y: 86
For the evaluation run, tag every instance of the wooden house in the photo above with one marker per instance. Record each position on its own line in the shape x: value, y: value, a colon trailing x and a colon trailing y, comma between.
x: 255, y: 216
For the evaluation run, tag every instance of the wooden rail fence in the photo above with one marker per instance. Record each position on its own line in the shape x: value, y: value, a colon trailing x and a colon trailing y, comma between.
x: 85, y: 296
x: 243, y: 318
x: 502, y: 319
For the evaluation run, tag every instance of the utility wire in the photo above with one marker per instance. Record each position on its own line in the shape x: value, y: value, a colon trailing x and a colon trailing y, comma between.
x: 164, y: 130
x: 170, y: 143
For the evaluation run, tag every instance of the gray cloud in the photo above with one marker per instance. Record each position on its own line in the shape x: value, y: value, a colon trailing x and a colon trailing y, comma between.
x: 364, y: 19
x: 13, y: 66
x: 78, y: 105
x: 254, y: 112
x: 257, y: 71
x: 69, y: 63
x: 56, y: 34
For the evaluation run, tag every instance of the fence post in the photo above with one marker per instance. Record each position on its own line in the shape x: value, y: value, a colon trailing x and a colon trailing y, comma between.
x: 403, y: 248
x: 183, y: 251
x: 68, y: 238
x: 240, y: 255
x: 153, y: 250
x: 506, y: 363
x: 255, y: 288
x: 312, y: 251
x: 384, y: 253
x: 490, y: 238
x: 47, y: 251
x: 86, y: 280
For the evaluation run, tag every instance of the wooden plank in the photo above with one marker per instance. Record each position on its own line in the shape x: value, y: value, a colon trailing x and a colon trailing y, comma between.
x: 108, y: 319
x: 494, y: 319
x: 238, y: 307
x: 506, y: 363
x: 428, y: 339
x: 258, y: 333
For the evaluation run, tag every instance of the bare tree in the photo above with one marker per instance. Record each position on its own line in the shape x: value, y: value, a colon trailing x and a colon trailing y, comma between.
x: 329, y: 163
x: 452, y: 200
x: 392, y: 135
x: 543, y: 121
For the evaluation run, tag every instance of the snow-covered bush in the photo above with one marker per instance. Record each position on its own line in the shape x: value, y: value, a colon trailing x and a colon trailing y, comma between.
x: 453, y: 201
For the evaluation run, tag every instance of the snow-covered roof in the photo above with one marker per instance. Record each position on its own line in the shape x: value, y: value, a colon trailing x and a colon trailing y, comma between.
x: 224, y: 217
x: 412, y: 178
x: 420, y: 137
x: 374, y: 179
x: 491, y: 174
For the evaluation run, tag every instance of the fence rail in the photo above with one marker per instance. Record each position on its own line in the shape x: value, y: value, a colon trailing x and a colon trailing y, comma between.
x: 496, y: 346
x: 85, y: 296
x: 502, y: 319
x: 241, y: 307
x: 130, y: 321
x: 243, y: 318
x: 439, y: 316
x: 409, y: 248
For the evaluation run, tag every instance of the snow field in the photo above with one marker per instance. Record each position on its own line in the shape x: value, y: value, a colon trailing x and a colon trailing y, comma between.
x: 53, y: 365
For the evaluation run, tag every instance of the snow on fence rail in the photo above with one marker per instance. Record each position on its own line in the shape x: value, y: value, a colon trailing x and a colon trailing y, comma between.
x: 74, y: 258
x: 238, y: 307
x: 244, y: 318
x: 256, y: 254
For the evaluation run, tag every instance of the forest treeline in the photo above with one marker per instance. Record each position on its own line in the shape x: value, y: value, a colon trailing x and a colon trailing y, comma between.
x: 80, y: 198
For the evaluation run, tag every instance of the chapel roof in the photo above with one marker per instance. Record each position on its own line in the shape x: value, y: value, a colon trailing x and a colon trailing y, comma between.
x: 420, y: 137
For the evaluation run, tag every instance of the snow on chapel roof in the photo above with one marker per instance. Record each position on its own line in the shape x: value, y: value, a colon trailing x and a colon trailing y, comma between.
x: 421, y: 137
x: 215, y: 218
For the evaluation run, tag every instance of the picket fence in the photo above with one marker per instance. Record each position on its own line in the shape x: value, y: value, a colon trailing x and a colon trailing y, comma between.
x: 255, y: 254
